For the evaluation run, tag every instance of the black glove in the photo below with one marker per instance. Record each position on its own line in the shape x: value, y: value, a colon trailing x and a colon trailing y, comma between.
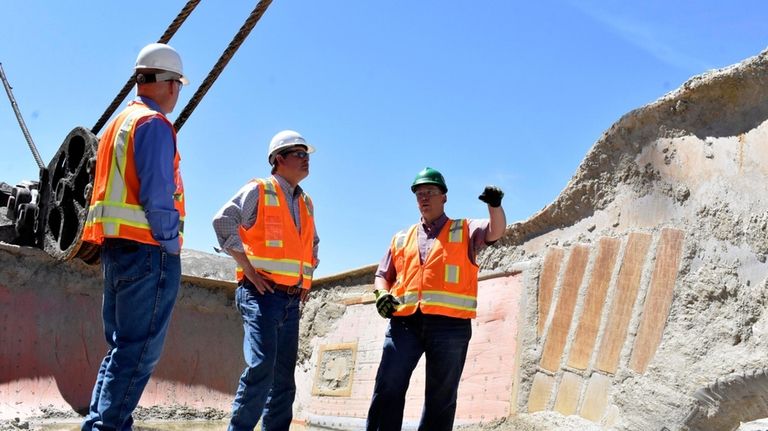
x: 492, y: 196
x: 385, y: 303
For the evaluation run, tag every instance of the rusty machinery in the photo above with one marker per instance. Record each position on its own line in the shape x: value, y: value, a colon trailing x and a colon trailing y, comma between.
x: 50, y: 213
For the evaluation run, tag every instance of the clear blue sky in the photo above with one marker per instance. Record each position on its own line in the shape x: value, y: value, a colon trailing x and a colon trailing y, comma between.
x: 489, y: 92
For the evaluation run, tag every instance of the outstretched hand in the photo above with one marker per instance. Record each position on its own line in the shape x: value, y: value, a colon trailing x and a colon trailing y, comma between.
x: 492, y: 196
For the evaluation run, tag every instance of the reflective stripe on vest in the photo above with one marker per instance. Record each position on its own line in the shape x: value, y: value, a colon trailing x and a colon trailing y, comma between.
x: 400, y: 239
x: 308, y: 203
x: 453, y: 300
x: 112, y: 214
x: 435, y: 297
x: 408, y: 298
x: 116, y: 189
x: 271, y: 200
x: 455, y: 234
x: 452, y: 273
x: 270, y: 195
x: 288, y: 267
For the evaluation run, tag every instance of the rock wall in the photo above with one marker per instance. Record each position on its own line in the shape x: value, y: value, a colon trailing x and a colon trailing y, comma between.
x: 657, y: 250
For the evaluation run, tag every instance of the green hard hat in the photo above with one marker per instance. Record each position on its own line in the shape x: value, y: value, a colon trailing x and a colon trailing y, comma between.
x: 429, y: 176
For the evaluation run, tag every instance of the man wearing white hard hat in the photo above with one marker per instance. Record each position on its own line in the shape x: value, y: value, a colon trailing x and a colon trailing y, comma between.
x: 136, y: 214
x: 268, y: 227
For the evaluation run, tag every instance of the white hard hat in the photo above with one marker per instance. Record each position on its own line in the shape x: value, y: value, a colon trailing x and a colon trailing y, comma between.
x: 283, y: 140
x: 161, y: 57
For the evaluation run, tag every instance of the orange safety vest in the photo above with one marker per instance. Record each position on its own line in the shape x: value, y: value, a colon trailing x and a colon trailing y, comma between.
x: 446, y: 283
x: 115, y: 211
x: 273, y: 244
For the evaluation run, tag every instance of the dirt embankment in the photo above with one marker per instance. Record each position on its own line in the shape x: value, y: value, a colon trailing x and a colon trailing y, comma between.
x: 694, y: 160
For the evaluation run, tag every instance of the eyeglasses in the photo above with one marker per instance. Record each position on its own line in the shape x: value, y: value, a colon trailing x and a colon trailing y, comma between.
x: 428, y: 193
x: 300, y: 154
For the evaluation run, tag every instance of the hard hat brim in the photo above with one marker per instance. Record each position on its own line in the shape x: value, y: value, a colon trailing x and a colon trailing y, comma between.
x: 425, y: 182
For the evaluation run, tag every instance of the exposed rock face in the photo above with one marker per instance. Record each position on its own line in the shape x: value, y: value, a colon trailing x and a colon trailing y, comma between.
x: 694, y: 161
x: 207, y: 265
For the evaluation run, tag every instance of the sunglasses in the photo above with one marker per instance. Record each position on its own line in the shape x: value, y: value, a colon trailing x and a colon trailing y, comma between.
x: 300, y: 154
x: 178, y: 81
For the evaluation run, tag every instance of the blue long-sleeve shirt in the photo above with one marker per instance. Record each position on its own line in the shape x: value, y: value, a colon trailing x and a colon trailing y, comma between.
x: 154, y: 151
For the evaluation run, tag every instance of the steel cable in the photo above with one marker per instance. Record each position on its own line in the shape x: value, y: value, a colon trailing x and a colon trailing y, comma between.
x: 175, y: 25
x: 250, y: 22
x: 20, y: 119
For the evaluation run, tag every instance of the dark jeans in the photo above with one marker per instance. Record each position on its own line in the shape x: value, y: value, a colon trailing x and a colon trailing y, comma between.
x: 444, y: 341
x: 270, y: 345
x: 140, y: 286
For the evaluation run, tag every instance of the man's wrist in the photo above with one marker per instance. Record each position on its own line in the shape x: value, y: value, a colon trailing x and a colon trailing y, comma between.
x: 170, y: 246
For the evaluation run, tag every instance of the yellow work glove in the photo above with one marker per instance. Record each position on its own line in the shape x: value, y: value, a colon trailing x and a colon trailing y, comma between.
x: 385, y: 303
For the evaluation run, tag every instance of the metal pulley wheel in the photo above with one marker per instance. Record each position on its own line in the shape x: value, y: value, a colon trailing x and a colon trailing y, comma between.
x: 19, y: 196
x: 11, y: 208
x: 22, y: 195
x: 65, y: 192
x: 25, y: 225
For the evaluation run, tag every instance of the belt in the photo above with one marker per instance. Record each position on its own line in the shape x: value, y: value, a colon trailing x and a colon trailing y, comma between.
x: 291, y: 290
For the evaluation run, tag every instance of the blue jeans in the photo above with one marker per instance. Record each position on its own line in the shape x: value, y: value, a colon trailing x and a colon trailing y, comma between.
x: 444, y: 341
x: 270, y: 346
x: 140, y: 286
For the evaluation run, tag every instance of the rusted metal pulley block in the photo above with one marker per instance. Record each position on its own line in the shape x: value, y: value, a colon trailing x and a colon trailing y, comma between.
x: 65, y: 192
x: 21, y: 211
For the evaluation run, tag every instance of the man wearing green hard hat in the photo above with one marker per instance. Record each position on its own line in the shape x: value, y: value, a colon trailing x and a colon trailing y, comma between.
x: 426, y: 285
